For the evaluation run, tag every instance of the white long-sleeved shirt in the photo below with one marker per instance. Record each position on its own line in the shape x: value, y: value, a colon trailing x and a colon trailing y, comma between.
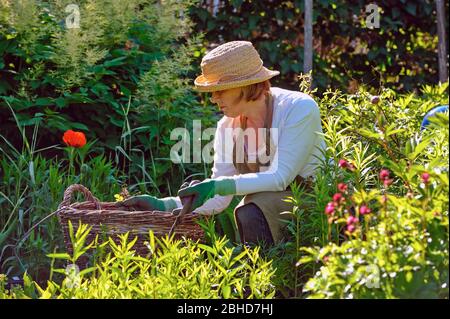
x: 296, y: 120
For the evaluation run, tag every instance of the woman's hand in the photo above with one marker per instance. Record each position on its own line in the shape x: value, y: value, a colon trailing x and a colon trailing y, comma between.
x: 183, y: 200
x: 207, y: 189
x: 148, y: 202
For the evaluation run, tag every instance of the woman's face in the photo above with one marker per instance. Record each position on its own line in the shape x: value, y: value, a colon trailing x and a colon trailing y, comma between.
x: 228, y: 102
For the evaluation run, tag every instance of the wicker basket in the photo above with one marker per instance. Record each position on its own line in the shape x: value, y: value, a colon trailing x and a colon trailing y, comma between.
x: 110, y: 219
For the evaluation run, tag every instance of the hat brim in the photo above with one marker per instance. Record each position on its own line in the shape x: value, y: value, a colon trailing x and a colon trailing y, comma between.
x: 203, y: 85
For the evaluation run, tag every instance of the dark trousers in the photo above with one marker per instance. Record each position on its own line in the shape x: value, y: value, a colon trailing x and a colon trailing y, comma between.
x: 252, y: 225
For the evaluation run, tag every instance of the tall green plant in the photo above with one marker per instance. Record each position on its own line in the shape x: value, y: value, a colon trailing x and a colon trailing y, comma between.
x: 388, y: 217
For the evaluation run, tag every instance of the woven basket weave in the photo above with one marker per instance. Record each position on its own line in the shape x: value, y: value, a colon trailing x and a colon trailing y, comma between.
x: 110, y: 219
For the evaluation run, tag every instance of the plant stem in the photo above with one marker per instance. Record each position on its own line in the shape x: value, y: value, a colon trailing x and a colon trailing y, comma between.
x: 71, y: 168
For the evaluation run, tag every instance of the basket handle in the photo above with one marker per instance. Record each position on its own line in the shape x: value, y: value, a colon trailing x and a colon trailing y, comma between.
x: 78, y: 188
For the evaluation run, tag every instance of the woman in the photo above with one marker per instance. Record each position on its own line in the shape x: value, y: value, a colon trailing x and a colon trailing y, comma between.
x: 261, y: 165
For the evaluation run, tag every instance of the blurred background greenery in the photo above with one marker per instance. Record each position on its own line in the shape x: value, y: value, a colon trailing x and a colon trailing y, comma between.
x: 401, y: 54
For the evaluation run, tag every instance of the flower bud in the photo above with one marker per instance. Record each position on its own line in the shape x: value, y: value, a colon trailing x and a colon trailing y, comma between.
x: 425, y: 177
x: 329, y: 209
x: 364, y: 210
x: 375, y: 99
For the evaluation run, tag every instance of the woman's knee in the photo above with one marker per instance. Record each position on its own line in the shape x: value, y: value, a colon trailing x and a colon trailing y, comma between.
x: 252, y: 224
x: 246, y: 214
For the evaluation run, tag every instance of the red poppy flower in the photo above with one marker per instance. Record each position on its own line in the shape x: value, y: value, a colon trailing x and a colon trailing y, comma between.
x: 74, y: 139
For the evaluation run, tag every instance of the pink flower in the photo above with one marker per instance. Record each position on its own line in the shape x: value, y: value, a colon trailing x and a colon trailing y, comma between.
x: 387, y: 182
x: 364, y: 210
x: 384, y: 174
x: 343, y: 163
x: 351, y: 228
x: 337, y: 198
x: 351, y: 220
x: 342, y: 187
x: 329, y: 209
x: 425, y: 177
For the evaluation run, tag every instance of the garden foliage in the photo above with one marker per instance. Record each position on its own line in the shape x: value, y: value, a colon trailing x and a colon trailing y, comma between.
x: 172, y: 269
x: 374, y: 226
x: 400, y: 54
x: 122, y: 78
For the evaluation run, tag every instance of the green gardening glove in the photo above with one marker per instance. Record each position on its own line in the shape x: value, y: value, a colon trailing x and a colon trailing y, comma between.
x: 147, y: 202
x: 207, y: 189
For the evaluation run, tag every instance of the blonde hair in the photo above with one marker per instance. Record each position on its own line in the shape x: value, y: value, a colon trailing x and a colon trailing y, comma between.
x: 250, y: 92
x: 253, y: 92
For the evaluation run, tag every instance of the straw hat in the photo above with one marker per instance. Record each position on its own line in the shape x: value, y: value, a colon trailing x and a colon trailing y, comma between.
x: 230, y: 65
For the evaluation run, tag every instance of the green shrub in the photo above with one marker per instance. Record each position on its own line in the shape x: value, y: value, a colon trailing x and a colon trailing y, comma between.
x: 172, y: 269
x: 122, y: 78
x: 396, y: 199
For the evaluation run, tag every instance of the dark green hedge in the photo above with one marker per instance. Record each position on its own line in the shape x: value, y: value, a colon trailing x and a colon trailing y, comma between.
x: 401, y: 54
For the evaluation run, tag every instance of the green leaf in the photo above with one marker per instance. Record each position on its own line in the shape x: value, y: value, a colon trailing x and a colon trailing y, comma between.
x: 87, y: 270
x: 115, y: 62
x: 208, y: 249
x: 116, y: 121
x: 418, y: 149
x: 409, y: 276
x: 79, y: 126
x: 101, y: 70
x: 411, y: 8
x: 211, y: 25
x: 60, y: 102
x: 226, y: 291
x: 305, y: 260
x: 44, y: 101
x: 368, y: 134
x: 252, y: 22
x: 64, y: 256
x: 99, y: 89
